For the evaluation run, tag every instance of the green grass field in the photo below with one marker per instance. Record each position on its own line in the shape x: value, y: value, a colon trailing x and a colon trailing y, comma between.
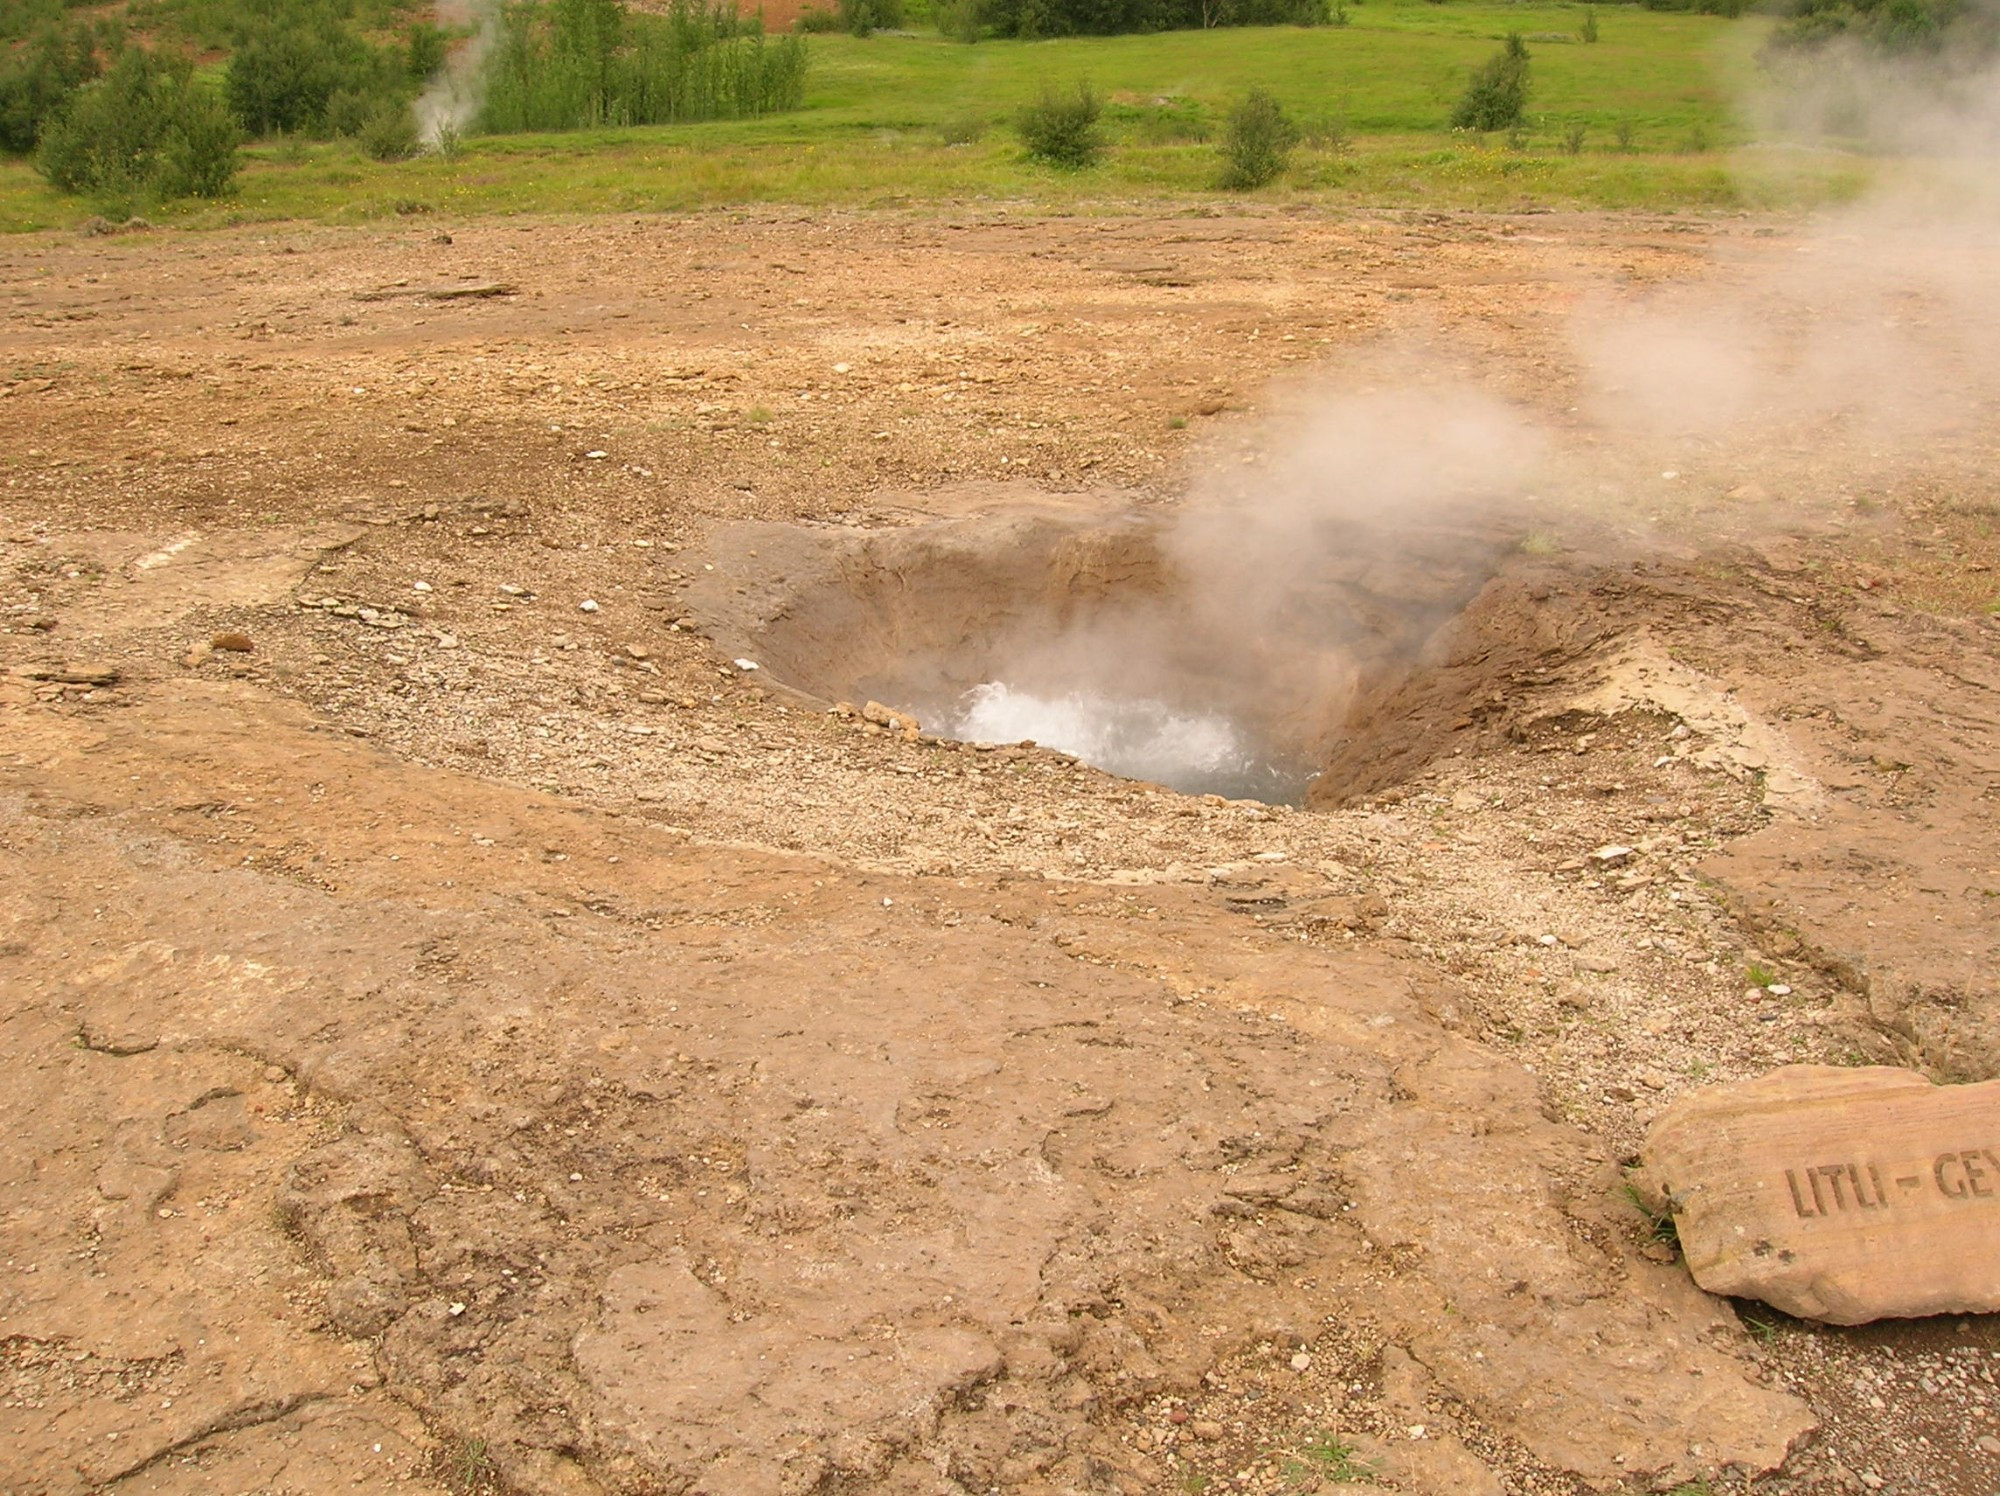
x: 913, y: 119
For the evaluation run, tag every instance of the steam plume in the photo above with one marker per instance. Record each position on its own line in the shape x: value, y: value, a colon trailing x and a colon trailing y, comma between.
x: 452, y: 99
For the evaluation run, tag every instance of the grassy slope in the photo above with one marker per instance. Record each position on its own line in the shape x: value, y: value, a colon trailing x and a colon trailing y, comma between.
x: 878, y: 111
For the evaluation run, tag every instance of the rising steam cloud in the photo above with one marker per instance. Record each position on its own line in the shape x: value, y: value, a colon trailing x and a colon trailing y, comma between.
x: 1861, y: 345
x: 1873, y: 332
x: 452, y: 99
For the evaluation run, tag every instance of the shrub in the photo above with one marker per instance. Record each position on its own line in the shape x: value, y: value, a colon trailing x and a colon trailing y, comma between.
x: 1061, y: 129
x: 389, y: 133
x: 38, y: 80
x: 865, y: 17
x: 1963, y: 27
x: 560, y: 67
x: 145, y: 131
x: 958, y: 19
x: 1257, y: 142
x: 1497, y: 94
x: 347, y: 113
x: 1032, y: 18
x: 300, y: 68
x: 1573, y: 135
x: 285, y: 70
x: 1588, y: 31
x: 424, y: 51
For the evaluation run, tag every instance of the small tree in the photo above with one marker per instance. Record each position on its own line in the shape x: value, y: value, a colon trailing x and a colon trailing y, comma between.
x: 389, y: 133
x: 865, y: 17
x: 1257, y: 143
x: 425, y: 49
x: 37, y: 81
x: 958, y: 19
x: 586, y: 36
x: 1062, y: 129
x: 290, y: 65
x: 1497, y: 95
x: 145, y: 131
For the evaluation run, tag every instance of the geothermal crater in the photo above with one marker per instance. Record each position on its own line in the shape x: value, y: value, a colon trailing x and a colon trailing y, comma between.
x: 1144, y: 642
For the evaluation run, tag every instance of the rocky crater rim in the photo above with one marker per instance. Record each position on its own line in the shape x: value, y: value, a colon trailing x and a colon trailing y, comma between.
x: 1158, y: 643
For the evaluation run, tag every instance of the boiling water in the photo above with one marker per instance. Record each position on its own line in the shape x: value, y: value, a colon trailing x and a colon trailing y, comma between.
x: 1140, y: 738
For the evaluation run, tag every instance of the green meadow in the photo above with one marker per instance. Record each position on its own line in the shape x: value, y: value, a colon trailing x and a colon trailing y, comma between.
x: 1642, y: 118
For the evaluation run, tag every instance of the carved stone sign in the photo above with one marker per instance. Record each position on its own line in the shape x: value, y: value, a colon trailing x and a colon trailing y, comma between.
x: 1836, y: 1194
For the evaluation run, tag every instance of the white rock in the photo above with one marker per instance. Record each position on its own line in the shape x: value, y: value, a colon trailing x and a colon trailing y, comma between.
x: 588, y: 605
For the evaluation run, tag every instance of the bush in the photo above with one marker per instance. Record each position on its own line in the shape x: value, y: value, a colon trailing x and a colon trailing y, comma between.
x: 298, y: 70
x: 389, y: 133
x: 424, y: 51
x: 865, y: 17
x: 1032, y: 18
x: 1893, y: 26
x: 144, y: 132
x: 1497, y: 95
x: 958, y: 19
x: 1257, y: 142
x: 562, y: 66
x: 1061, y: 129
x: 1588, y: 31
x: 38, y: 80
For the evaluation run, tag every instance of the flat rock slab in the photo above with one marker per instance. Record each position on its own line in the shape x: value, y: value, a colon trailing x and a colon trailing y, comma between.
x: 1843, y: 1195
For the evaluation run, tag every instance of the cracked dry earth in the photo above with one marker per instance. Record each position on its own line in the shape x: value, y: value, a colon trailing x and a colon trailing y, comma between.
x: 460, y: 1041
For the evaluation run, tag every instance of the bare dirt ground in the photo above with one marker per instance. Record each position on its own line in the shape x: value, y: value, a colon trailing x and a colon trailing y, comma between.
x: 458, y: 1039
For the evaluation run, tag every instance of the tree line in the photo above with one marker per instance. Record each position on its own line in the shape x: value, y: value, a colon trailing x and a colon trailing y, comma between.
x: 127, y: 121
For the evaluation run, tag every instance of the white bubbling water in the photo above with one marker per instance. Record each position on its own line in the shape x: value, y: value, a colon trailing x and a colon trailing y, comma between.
x: 1139, y: 738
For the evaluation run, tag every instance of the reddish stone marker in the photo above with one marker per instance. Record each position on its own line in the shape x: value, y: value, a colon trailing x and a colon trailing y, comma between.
x: 1836, y: 1194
